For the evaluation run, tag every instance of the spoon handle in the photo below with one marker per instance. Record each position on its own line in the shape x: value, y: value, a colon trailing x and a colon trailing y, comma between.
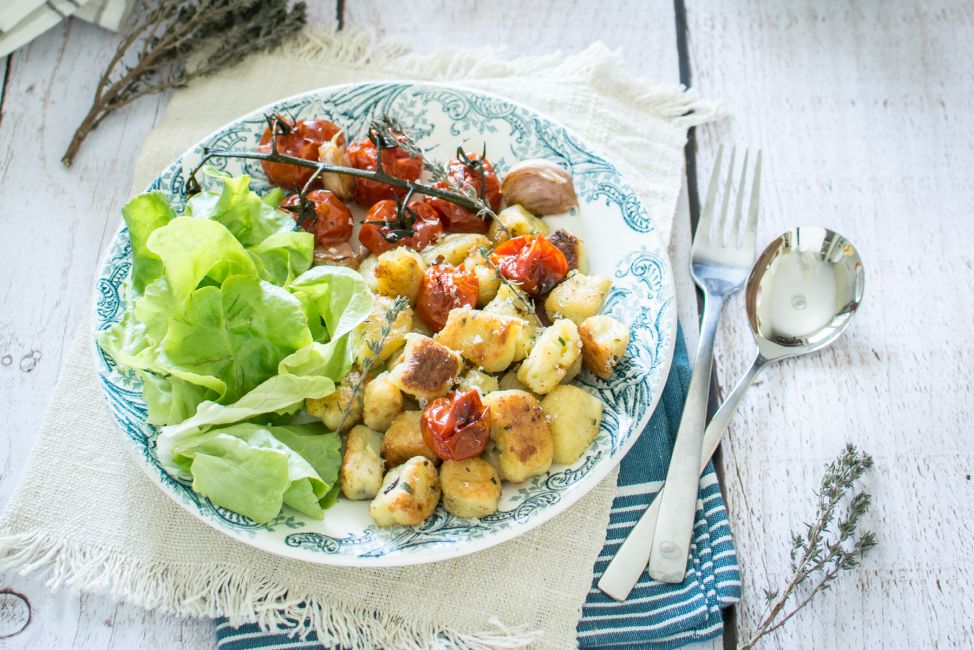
x: 629, y: 562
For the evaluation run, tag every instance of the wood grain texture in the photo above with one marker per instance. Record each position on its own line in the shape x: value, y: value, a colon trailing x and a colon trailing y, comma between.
x: 862, y: 112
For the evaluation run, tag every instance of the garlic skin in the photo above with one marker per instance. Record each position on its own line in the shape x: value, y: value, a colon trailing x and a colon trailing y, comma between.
x: 541, y: 186
x: 340, y: 184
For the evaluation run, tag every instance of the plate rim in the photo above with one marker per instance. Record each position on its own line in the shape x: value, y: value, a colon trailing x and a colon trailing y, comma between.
x: 442, y: 553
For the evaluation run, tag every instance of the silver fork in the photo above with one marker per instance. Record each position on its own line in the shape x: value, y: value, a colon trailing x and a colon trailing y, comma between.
x: 719, y: 267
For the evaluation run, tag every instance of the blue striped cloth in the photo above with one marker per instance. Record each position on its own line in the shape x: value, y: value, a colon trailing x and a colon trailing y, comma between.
x: 656, y: 615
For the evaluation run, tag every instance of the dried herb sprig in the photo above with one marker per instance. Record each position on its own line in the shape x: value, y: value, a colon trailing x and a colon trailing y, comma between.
x: 375, y: 347
x: 176, y: 41
x: 827, y: 546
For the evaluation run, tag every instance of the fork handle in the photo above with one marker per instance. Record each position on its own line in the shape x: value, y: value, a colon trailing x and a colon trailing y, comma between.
x: 678, y: 503
x: 629, y: 562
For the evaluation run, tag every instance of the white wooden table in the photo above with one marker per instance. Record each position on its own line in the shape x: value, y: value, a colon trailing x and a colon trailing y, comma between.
x: 863, y: 110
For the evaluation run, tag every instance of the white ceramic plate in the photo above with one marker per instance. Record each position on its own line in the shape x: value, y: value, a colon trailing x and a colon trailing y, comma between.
x: 621, y: 243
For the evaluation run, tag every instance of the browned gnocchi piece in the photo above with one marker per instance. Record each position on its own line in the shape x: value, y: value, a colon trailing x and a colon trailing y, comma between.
x: 484, y: 339
x: 381, y: 402
x: 362, y: 466
x: 404, y: 439
x: 604, y: 342
x: 408, y: 495
x: 330, y: 409
x: 471, y: 487
x: 521, y: 434
x: 428, y: 369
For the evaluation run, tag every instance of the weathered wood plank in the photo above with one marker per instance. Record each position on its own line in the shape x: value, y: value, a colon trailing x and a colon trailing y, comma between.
x: 861, y: 113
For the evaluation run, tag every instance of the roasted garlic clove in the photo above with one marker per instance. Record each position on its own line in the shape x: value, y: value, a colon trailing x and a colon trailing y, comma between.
x: 541, y: 186
x: 340, y: 184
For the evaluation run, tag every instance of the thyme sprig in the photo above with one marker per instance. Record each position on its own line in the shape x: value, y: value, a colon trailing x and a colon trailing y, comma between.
x: 375, y: 347
x: 515, y: 287
x: 173, y: 42
x: 827, y: 546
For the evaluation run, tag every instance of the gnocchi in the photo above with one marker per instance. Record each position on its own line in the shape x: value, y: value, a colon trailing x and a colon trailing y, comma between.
x: 408, y: 495
x: 604, y: 343
x: 525, y: 446
x: 404, y: 440
x: 551, y: 358
x: 331, y: 409
x: 484, y: 339
x: 471, y: 487
x: 578, y: 297
x: 428, y: 369
x: 381, y: 402
x: 574, y: 417
x: 362, y: 466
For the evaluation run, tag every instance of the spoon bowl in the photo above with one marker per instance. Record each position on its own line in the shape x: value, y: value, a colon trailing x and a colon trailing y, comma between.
x: 803, y: 291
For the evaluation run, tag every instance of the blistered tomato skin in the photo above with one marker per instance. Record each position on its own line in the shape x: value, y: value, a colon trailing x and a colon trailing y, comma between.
x: 457, y: 426
x: 395, y: 162
x: 532, y: 261
x: 302, y: 141
x: 458, y: 219
x: 426, y: 227
x: 332, y: 223
x: 445, y: 288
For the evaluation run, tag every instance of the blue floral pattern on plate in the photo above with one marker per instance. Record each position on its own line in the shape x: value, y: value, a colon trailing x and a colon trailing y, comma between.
x: 621, y: 242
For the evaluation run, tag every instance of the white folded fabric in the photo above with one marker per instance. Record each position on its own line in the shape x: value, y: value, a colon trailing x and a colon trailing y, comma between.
x: 21, y: 21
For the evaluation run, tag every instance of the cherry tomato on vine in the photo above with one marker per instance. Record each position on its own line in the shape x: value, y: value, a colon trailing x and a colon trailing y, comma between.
x: 395, y: 162
x: 445, y: 288
x: 532, y: 261
x: 426, y: 227
x: 457, y: 426
x: 457, y: 219
x: 332, y: 223
x: 301, y: 141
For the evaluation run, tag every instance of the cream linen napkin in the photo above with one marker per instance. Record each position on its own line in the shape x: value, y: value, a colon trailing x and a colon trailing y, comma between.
x: 87, y: 518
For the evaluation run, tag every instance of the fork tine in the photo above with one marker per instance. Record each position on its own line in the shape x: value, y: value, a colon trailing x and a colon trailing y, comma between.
x: 750, y: 234
x: 725, y: 202
x: 703, y: 226
x: 735, y: 226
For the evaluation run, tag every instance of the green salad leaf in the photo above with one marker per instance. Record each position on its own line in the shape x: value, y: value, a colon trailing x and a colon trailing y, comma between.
x: 231, y: 329
x: 143, y: 215
x: 249, y: 217
x: 231, y: 338
x: 339, y: 294
x: 251, y: 469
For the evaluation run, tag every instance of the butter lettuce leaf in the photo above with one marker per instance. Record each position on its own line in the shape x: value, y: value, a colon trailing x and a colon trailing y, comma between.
x: 339, y: 294
x: 231, y: 338
x: 249, y: 217
x: 251, y: 469
x: 192, y: 250
x: 144, y: 215
x: 284, y: 256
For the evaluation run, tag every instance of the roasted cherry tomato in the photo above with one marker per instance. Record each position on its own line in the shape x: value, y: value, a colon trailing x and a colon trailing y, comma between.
x: 532, y: 261
x: 426, y: 227
x: 332, y: 222
x: 457, y: 219
x: 445, y: 288
x: 457, y: 426
x: 301, y: 141
x: 395, y: 162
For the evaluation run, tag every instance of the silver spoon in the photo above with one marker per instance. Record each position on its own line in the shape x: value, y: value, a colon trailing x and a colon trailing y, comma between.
x: 801, y: 295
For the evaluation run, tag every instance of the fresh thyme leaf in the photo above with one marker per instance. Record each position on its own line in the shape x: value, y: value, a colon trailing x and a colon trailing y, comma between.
x: 171, y: 43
